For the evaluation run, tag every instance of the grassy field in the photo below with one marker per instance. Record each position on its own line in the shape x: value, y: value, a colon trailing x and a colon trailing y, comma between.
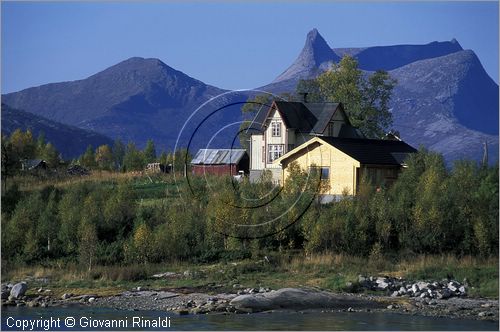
x: 328, y: 271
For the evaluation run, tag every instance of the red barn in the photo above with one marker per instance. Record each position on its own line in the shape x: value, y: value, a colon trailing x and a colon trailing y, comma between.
x: 220, y: 162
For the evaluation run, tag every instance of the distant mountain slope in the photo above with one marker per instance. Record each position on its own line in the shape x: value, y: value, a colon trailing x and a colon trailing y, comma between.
x: 448, y: 104
x: 147, y: 83
x: 454, y: 85
x: 135, y: 100
x: 69, y: 140
x: 395, y: 56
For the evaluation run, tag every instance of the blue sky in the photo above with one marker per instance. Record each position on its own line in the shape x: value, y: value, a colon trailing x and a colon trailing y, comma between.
x: 229, y: 45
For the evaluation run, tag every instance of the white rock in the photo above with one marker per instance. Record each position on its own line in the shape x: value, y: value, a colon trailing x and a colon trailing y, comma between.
x: 453, y: 286
x: 415, y: 288
x: 422, y: 285
x: 18, y: 290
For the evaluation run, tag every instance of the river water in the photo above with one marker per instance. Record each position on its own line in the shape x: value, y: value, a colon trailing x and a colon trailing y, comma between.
x: 87, y: 318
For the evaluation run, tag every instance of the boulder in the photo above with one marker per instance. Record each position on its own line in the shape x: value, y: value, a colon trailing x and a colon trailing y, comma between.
x: 415, y: 288
x: 453, y: 286
x: 443, y: 294
x: 18, y: 290
x: 165, y: 275
x: 382, y: 283
x: 295, y: 298
x: 422, y: 285
x: 5, y: 294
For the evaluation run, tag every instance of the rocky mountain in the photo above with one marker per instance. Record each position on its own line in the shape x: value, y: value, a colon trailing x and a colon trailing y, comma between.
x: 448, y: 104
x: 134, y: 100
x: 444, y: 99
x: 315, y: 57
x: 69, y: 140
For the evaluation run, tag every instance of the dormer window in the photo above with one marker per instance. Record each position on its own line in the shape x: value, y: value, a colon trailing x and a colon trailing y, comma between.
x: 330, y: 129
x: 276, y: 129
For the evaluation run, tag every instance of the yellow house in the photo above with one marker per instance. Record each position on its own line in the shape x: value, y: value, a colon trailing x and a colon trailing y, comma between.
x: 285, y: 125
x: 343, y: 161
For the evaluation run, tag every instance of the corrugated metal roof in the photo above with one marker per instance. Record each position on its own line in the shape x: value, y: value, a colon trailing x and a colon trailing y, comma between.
x: 218, y: 156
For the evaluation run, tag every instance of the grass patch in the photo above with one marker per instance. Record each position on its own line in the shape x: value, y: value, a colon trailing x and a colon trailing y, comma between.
x: 328, y: 271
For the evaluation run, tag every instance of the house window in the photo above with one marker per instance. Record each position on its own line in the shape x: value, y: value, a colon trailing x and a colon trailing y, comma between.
x: 276, y: 129
x: 324, y: 172
x: 275, y: 151
x: 330, y: 129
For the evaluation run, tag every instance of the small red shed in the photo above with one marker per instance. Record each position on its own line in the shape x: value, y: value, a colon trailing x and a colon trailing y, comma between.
x: 220, y: 162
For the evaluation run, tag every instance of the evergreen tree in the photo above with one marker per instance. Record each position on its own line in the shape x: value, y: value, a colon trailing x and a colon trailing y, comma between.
x: 134, y: 159
x: 150, y: 152
x: 40, y: 144
x: 88, y: 158
x: 50, y: 155
x: 118, y: 154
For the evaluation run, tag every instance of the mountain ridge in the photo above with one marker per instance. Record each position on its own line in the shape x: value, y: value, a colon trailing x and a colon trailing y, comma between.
x: 70, y: 141
x: 139, y: 98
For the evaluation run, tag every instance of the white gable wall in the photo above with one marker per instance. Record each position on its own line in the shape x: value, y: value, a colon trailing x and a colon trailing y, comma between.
x: 269, y: 139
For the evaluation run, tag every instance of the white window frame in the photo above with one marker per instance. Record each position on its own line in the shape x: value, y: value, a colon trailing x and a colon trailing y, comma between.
x: 329, y: 129
x: 275, y: 128
x: 274, y: 151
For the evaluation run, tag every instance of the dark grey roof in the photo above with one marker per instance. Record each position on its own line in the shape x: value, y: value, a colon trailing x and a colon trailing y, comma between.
x: 308, y: 118
x: 372, y: 151
x: 218, y: 156
x: 348, y: 131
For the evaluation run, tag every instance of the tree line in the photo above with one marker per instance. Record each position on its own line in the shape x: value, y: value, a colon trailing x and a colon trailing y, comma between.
x: 430, y: 209
x: 126, y: 158
x: 21, y: 145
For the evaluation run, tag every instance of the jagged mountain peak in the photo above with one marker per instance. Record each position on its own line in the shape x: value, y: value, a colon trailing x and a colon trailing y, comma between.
x: 315, y: 52
x: 455, y: 42
x: 316, y: 49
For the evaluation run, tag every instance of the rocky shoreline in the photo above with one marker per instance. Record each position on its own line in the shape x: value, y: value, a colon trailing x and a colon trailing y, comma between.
x: 389, y: 295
